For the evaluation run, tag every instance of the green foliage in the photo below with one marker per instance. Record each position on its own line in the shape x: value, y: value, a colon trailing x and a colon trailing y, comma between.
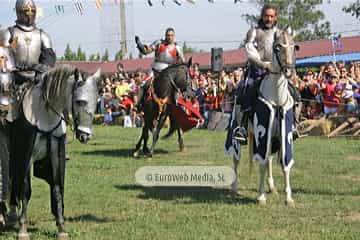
x: 95, y: 57
x: 103, y: 201
x: 353, y: 9
x: 81, y: 56
x: 69, y: 55
x: 187, y: 49
x: 302, y: 16
x: 119, y: 55
x: 105, y: 56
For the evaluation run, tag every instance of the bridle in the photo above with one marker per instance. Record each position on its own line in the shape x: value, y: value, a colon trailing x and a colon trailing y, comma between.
x: 283, y: 68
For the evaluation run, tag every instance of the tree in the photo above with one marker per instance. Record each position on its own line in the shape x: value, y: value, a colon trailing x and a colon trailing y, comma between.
x: 80, y: 55
x: 69, y: 55
x: 119, y: 55
x: 301, y: 16
x: 353, y: 9
x: 105, y: 57
x: 94, y: 57
x: 186, y: 49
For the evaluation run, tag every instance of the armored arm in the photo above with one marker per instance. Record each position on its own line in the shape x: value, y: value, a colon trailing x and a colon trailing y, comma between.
x: 252, y: 53
x: 144, y: 49
x: 5, y: 38
x: 180, y: 54
x: 48, y: 56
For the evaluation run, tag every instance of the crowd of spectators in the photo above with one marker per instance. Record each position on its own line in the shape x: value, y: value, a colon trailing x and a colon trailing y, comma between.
x: 330, y: 90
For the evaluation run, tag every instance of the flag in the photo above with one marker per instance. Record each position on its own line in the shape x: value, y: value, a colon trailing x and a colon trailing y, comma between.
x: 336, y: 44
x: 177, y: 2
x: 98, y: 4
x: 59, y: 9
x: 79, y: 7
x: 191, y: 1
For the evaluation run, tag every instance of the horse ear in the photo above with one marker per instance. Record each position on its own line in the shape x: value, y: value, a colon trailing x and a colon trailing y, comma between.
x: 290, y: 31
x: 189, y: 64
x: 78, y: 75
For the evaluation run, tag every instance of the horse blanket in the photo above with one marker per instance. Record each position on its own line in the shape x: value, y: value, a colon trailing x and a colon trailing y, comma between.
x: 268, y: 120
x: 186, y: 113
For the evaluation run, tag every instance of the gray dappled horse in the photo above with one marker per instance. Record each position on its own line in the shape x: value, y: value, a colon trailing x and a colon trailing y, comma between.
x: 38, y: 136
x: 272, y: 122
x: 6, y: 68
x: 163, y: 91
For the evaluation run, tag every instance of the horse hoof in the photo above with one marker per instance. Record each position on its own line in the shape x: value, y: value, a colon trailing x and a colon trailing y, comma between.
x: 290, y: 203
x: 23, y: 236
x: 136, y: 154
x: 274, y: 191
x: 63, y: 236
x: 234, y: 187
x: 261, y: 202
x: 12, y: 219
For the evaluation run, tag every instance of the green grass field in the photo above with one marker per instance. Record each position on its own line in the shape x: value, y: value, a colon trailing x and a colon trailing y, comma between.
x: 103, y: 201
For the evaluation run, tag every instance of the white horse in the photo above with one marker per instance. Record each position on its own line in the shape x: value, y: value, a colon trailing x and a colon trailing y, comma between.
x: 271, y: 128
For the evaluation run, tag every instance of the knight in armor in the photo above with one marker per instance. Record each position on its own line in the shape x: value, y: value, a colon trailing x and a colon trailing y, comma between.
x: 259, y: 51
x: 32, y: 47
x: 33, y: 55
x: 167, y: 53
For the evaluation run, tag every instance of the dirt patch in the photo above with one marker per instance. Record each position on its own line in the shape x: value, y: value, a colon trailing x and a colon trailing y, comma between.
x: 353, y: 157
x: 352, y: 216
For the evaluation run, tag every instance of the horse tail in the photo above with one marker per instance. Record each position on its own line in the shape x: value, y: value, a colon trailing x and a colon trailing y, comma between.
x: 251, y: 152
x: 173, y: 127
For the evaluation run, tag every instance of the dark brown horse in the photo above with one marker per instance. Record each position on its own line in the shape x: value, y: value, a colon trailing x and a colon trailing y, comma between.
x: 163, y: 91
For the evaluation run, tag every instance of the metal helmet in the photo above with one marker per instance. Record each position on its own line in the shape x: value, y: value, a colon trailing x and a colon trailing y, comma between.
x: 25, y: 12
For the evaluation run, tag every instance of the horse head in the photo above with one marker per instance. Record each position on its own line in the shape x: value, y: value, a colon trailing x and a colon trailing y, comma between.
x: 284, y: 51
x: 85, y: 95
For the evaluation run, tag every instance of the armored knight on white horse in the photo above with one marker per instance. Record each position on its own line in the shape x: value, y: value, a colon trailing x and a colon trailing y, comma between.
x: 265, y: 100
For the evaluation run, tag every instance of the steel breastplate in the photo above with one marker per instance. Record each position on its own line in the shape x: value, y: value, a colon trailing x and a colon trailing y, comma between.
x: 265, y: 41
x: 166, y: 53
x: 28, y: 48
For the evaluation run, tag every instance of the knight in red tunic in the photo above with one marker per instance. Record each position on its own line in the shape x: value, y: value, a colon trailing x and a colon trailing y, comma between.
x: 167, y: 53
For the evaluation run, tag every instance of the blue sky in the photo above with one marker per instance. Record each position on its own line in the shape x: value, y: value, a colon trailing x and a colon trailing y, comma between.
x: 203, y: 25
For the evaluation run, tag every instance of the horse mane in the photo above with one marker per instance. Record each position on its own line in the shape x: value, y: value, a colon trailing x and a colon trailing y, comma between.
x: 55, y: 80
x: 171, y: 68
x: 162, y: 82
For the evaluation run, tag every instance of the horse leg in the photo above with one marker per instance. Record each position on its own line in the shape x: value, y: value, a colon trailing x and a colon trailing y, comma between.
x: 234, y: 185
x: 262, y: 198
x: 57, y: 158
x: 289, y: 200
x: 146, y: 150
x: 12, y: 216
x: 157, y: 128
x: 138, y: 145
x: 25, y: 197
x: 270, y: 179
x: 180, y: 140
